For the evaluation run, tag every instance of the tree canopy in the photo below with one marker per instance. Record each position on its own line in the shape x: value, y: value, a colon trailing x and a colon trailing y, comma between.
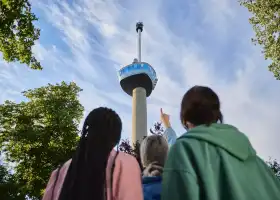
x: 275, y: 166
x: 39, y: 134
x: 266, y: 24
x: 157, y: 129
x: 9, y: 189
x: 17, y: 32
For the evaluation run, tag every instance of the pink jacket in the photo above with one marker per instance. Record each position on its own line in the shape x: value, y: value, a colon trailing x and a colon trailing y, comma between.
x: 127, y: 182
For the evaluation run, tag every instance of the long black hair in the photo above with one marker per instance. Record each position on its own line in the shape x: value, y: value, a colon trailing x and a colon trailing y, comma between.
x: 86, y: 176
x: 200, y: 105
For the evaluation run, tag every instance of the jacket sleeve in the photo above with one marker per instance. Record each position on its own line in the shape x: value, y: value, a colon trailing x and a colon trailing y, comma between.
x: 55, y: 183
x: 179, y: 182
x: 129, y: 184
x: 170, y: 136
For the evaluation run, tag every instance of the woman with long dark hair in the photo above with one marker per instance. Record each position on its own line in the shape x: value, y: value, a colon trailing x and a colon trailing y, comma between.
x: 214, y: 161
x: 96, y: 171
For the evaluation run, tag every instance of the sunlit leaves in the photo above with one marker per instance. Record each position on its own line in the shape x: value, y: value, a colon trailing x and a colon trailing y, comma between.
x: 41, y: 133
x: 266, y: 24
x: 17, y: 32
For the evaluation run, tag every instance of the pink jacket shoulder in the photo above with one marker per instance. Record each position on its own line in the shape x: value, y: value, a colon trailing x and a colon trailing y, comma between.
x: 55, y: 183
x: 127, y: 182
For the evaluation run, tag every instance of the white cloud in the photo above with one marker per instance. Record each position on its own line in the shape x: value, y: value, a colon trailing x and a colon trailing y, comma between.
x: 100, y: 35
x: 108, y: 30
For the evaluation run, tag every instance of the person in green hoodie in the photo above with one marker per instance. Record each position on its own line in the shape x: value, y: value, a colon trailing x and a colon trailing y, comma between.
x: 214, y: 161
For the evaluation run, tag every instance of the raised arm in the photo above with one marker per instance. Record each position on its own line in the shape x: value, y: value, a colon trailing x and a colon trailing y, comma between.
x: 169, y: 133
x: 170, y: 136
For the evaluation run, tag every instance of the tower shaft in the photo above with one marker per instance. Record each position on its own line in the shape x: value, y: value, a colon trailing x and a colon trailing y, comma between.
x: 139, y: 101
x: 139, y: 115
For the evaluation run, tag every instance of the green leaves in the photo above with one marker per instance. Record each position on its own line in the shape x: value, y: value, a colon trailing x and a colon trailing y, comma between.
x: 133, y: 150
x: 17, y: 32
x: 157, y: 129
x: 266, y: 24
x: 40, y: 134
x: 9, y: 189
x: 275, y: 166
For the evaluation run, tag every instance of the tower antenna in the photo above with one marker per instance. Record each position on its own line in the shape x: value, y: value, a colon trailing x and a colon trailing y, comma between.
x: 139, y: 29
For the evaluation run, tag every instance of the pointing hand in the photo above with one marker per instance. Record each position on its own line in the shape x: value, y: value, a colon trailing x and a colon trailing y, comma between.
x: 165, y: 119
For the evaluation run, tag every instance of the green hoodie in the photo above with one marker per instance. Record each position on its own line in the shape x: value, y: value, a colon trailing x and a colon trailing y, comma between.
x: 217, y: 163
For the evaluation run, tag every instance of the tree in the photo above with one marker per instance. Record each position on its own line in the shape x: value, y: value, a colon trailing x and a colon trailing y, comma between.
x: 40, y: 134
x: 133, y: 150
x: 266, y: 24
x: 17, y: 32
x: 9, y: 189
x: 275, y: 166
x: 157, y: 129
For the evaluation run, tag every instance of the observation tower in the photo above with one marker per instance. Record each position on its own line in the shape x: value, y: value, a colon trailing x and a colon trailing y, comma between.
x: 138, y: 80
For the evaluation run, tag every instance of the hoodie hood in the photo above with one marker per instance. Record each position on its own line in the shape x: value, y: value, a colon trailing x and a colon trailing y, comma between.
x: 224, y: 136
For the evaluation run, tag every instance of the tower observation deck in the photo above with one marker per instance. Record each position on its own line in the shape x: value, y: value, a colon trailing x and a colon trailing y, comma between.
x: 138, y: 80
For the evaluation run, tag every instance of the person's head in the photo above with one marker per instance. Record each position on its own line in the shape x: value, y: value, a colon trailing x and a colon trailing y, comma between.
x: 86, y: 175
x: 153, y: 150
x: 200, y: 106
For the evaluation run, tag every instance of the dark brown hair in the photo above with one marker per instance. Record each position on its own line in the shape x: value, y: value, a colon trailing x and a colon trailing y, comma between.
x: 200, y: 105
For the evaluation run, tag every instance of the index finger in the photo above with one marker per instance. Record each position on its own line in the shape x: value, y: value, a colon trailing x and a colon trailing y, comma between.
x: 161, y: 112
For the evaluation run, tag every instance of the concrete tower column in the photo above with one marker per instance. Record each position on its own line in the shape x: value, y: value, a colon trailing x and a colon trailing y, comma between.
x: 139, y: 102
x: 139, y: 114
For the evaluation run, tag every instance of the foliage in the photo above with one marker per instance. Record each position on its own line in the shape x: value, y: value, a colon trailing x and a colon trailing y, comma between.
x: 17, y: 32
x: 9, y: 189
x: 40, y: 134
x: 275, y: 166
x: 266, y: 24
x: 157, y: 129
x: 134, y: 150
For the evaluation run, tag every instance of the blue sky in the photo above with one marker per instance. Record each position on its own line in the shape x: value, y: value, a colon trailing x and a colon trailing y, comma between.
x: 204, y: 42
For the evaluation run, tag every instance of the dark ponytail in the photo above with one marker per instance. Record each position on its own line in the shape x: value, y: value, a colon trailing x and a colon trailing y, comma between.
x: 86, y: 176
x: 200, y: 105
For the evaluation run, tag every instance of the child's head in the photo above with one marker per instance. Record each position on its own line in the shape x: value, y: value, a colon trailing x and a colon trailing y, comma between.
x: 153, y: 149
x: 200, y: 105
